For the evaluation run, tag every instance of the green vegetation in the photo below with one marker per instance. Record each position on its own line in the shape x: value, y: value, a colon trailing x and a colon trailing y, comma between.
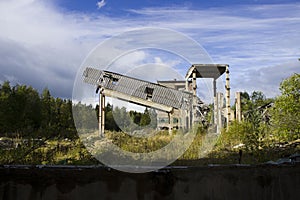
x: 25, y: 113
x: 266, y: 134
x: 285, y: 116
x: 39, y: 129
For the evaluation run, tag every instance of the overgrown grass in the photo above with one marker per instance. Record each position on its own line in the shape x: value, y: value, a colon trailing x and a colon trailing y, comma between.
x: 205, y: 148
x: 50, y: 152
x: 140, y: 144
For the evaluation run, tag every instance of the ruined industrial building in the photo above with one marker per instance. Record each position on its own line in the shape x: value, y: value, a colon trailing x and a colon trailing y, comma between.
x: 177, y: 102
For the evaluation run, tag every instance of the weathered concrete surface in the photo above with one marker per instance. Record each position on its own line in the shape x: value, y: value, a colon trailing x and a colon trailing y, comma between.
x: 222, y: 182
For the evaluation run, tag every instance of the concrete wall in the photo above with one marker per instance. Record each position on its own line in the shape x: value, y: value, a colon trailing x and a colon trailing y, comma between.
x: 222, y: 182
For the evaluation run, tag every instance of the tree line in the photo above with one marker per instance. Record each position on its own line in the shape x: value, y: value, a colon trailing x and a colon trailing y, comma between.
x: 26, y: 113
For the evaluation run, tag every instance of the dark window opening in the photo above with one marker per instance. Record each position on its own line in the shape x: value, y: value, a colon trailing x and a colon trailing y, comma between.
x: 149, y: 92
x: 114, y: 81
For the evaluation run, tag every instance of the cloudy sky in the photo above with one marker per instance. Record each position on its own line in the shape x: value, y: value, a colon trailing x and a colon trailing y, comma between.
x: 44, y: 42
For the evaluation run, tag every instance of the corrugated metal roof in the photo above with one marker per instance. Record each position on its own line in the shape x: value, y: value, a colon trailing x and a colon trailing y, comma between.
x: 138, y: 88
x: 207, y: 70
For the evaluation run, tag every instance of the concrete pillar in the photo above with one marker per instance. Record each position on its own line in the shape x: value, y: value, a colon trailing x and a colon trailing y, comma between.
x: 100, y: 115
x: 103, y: 114
x: 216, y: 113
x: 238, y: 111
x: 170, y: 123
x: 227, y: 86
x: 220, y: 105
x: 187, y: 119
x: 187, y: 84
x: 194, y: 81
x: 215, y: 87
x: 101, y: 119
x: 194, y: 111
x: 215, y: 119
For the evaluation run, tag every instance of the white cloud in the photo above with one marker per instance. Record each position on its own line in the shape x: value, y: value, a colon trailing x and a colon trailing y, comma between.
x: 129, y: 61
x: 38, y: 45
x: 101, y: 4
x: 266, y: 79
x: 43, y: 46
x: 256, y: 41
x: 243, y: 31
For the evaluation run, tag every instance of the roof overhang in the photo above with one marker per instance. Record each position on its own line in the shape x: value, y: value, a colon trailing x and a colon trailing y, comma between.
x: 206, y: 70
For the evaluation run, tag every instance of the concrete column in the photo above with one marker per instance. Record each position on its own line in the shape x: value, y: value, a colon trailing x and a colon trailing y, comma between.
x: 170, y: 123
x: 216, y: 112
x: 101, y: 131
x: 238, y: 112
x: 194, y: 111
x: 103, y: 114
x: 101, y: 120
x: 187, y: 84
x: 215, y: 87
x: 215, y: 119
x: 187, y: 119
x: 228, y: 97
x: 220, y: 106
x: 194, y: 81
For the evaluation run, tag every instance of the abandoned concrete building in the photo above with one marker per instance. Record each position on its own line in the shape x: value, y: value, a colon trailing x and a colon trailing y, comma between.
x: 199, y: 110
x: 179, y: 118
x: 177, y: 102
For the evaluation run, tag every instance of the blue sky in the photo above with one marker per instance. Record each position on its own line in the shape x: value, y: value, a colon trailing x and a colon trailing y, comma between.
x: 43, y: 43
x: 118, y: 7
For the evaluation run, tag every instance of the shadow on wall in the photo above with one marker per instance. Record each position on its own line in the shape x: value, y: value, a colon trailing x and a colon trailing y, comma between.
x: 219, y: 182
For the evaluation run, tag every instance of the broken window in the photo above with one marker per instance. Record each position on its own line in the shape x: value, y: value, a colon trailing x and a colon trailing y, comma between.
x: 149, y: 92
x: 114, y: 81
